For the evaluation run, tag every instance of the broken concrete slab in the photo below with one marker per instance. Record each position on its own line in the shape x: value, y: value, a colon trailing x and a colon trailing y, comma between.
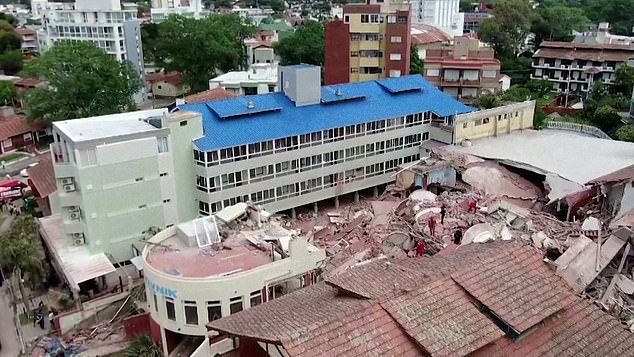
x: 479, y: 233
x: 625, y: 284
x: 581, y: 271
x: 538, y: 239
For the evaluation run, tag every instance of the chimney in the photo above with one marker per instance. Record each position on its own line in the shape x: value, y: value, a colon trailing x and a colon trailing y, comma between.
x: 301, y: 83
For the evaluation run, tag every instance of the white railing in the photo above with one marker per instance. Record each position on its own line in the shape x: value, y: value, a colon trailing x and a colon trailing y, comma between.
x: 579, y: 128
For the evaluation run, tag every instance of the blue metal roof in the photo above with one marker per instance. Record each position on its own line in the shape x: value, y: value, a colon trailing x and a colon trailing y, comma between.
x: 378, y: 103
x: 399, y: 84
x: 338, y: 93
x: 243, y: 105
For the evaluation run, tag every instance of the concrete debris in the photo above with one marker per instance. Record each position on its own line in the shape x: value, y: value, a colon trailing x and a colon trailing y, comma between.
x: 422, y: 196
x: 625, y: 284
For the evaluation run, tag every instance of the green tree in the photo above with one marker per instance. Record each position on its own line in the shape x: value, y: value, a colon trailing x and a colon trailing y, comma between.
x: 416, y: 65
x: 626, y: 133
x: 9, y: 39
x: 11, y: 62
x: 7, y: 92
x: 202, y: 48
x: 12, y: 20
x: 487, y: 101
x: 539, y: 119
x: 22, y: 254
x: 84, y: 81
x: 467, y: 5
x: 606, y: 118
x: 143, y: 346
x: 305, y: 45
x: 539, y: 87
x: 556, y: 22
x: 277, y: 5
x: 509, y: 27
x: 617, y: 12
x: 149, y: 37
x: 624, y: 80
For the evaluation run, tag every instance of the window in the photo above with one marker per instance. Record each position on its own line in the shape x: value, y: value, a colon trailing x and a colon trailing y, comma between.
x: 7, y: 143
x: 395, y: 57
x: 354, y: 53
x: 28, y: 137
x: 191, y: 312
x: 391, y: 19
x: 485, y: 121
x: 235, y: 305
x: 396, y: 39
x: 478, y: 122
x: 395, y: 72
x: 155, y: 303
x: 354, y: 70
x: 88, y: 157
x: 465, y: 125
x: 401, y: 19
x: 214, y: 310
x: 183, y: 123
x: 203, y: 207
x: 365, y: 19
x: 346, y: 19
x: 162, y: 144
x: 169, y: 306
x: 256, y: 298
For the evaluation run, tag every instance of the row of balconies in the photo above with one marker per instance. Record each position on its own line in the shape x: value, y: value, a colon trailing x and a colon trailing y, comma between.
x: 576, y: 66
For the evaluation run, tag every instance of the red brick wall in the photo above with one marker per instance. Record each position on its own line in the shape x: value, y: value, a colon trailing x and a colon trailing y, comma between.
x: 155, y: 331
x: 18, y: 142
x: 403, y: 48
x: 337, y: 53
x: 137, y: 325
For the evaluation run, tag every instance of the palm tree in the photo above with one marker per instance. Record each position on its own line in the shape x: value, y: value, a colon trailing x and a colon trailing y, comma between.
x: 22, y: 254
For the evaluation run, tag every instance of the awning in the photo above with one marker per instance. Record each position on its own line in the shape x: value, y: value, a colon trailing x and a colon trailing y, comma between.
x: 76, y: 263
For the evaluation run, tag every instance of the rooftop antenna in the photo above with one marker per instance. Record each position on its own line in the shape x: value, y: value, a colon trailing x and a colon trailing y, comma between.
x: 339, y: 92
x: 250, y: 105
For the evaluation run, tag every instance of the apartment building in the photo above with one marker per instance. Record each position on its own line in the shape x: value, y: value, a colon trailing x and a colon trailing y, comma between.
x: 575, y: 67
x: 372, y: 41
x: 306, y: 143
x: 29, y: 39
x: 105, y: 23
x: 116, y: 176
x: 219, y: 279
x: 441, y: 13
x: 161, y: 9
x: 464, y: 69
x: 472, y: 21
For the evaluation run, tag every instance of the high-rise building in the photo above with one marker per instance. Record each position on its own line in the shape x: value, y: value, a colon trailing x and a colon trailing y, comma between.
x: 372, y: 41
x: 105, y: 23
x: 441, y: 13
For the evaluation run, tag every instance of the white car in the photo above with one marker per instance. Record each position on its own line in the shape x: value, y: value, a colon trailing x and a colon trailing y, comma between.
x: 24, y: 172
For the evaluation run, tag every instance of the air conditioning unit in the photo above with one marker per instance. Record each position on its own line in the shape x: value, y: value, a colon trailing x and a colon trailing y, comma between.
x: 69, y: 188
x: 67, y: 181
x: 75, y: 216
x: 79, y: 241
x: 73, y: 209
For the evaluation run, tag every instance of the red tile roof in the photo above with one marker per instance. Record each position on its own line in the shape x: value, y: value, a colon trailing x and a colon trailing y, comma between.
x: 28, y: 82
x: 16, y: 125
x: 25, y: 31
x: 422, y: 34
x: 368, y: 332
x: 42, y: 177
x: 520, y: 289
x: 584, y: 51
x: 434, y: 311
x: 442, y: 319
x: 173, y: 78
x: 209, y: 95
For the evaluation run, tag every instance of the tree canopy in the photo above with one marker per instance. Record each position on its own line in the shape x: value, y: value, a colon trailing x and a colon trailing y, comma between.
x: 509, y: 27
x: 416, y: 65
x: 624, y: 80
x: 7, y: 92
x: 202, y: 48
x: 305, y: 45
x: 626, y: 133
x: 619, y: 13
x: 83, y: 80
x: 555, y: 21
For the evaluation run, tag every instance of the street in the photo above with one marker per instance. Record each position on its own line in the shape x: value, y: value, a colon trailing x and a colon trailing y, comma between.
x: 8, y: 335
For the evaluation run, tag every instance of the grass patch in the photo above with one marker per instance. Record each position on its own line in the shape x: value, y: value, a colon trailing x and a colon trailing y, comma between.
x: 8, y: 158
x: 25, y: 319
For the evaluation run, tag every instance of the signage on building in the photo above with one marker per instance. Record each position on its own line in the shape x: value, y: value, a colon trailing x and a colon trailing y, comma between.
x: 161, y: 290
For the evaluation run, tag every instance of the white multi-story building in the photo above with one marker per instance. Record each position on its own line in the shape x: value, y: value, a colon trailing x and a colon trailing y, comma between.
x: 105, y: 23
x: 441, y: 13
x: 259, y: 78
x: 192, y: 277
x: 161, y: 9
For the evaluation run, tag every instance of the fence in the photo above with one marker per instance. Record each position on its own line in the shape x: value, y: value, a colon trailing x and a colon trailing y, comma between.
x: 579, y: 128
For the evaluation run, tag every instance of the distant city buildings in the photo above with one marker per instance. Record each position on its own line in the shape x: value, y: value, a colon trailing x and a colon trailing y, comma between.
x: 372, y: 41
x: 465, y: 69
x: 441, y: 13
x: 426, y: 37
x: 161, y: 9
x: 29, y: 39
x: 575, y: 67
x: 104, y: 23
x: 259, y: 78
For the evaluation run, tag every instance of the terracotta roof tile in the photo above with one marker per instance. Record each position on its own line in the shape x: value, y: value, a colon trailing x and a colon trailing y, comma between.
x: 173, y: 78
x: 442, y: 319
x: 42, y: 177
x: 209, y: 95
x: 16, y: 125
x: 520, y: 289
x: 290, y: 316
x: 584, y: 51
x: 367, y: 332
x: 422, y: 34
